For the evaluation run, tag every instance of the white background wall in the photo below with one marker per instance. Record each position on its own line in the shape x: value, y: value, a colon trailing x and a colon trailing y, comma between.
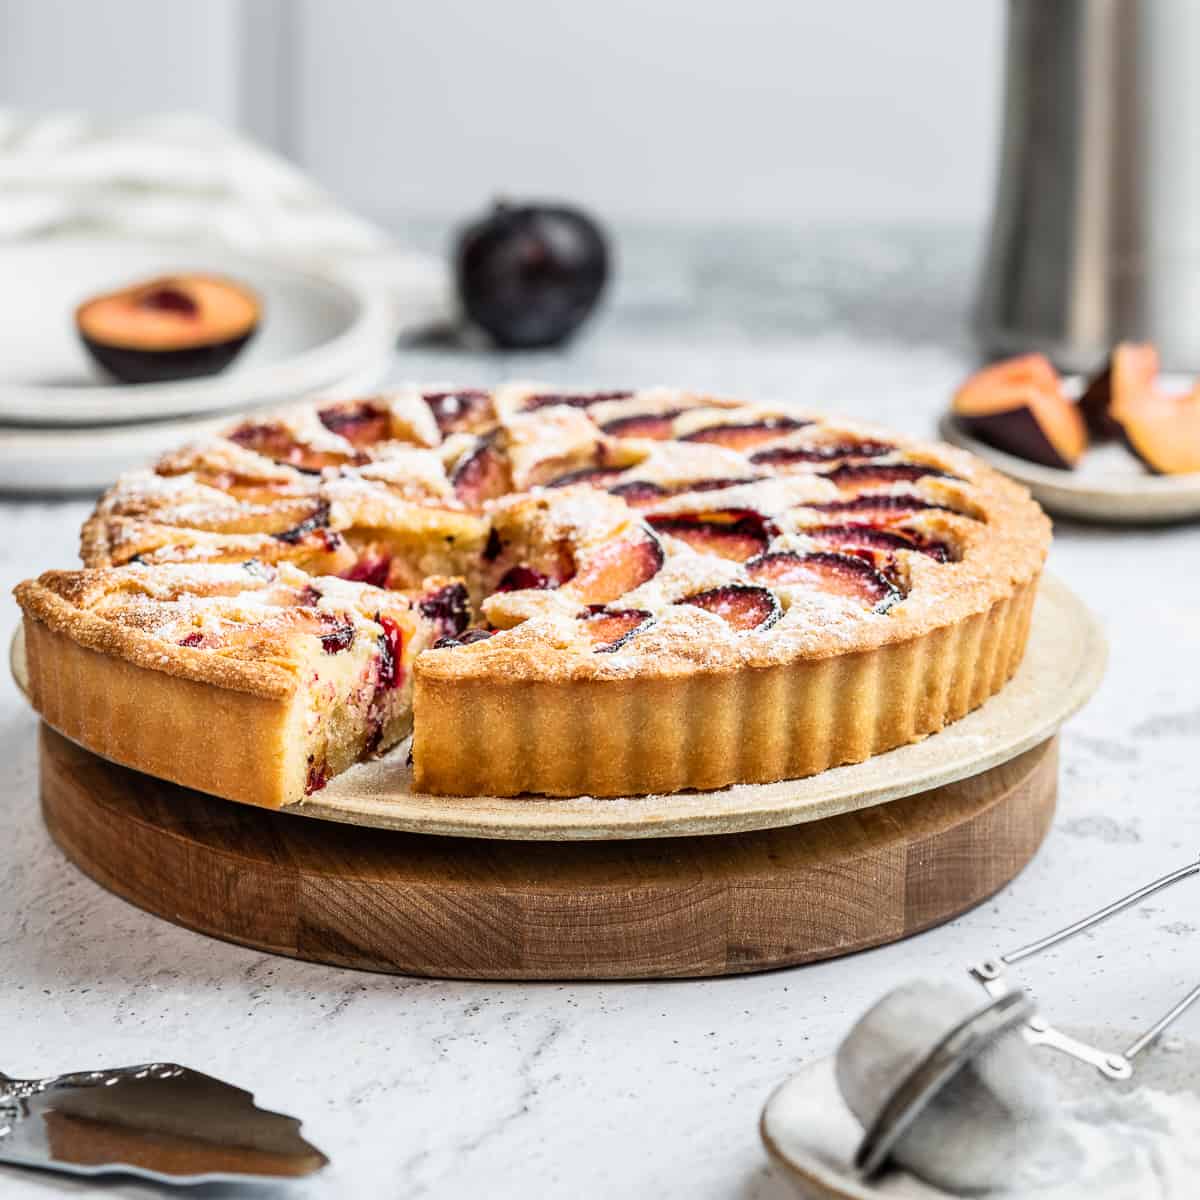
x: 658, y: 109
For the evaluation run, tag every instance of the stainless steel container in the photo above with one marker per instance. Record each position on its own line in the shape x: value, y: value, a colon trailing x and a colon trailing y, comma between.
x: 1096, y: 229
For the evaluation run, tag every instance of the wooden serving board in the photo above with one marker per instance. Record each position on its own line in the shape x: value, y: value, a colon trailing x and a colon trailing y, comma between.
x: 385, y: 900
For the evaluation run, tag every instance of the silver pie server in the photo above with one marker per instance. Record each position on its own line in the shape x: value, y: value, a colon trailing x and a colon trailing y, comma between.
x: 160, y: 1121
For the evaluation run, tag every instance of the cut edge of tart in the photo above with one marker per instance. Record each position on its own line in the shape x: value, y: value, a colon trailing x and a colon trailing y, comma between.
x: 744, y: 596
x: 249, y: 681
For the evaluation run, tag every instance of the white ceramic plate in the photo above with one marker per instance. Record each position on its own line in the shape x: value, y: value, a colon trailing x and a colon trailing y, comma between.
x: 1109, y: 485
x: 316, y: 328
x: 812, y: 1135
x: 66, y: 461
x: 1063, y: 666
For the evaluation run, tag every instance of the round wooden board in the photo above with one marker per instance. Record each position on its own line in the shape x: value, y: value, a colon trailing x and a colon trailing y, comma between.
x: 1063, y: 666
x: 488, y: 909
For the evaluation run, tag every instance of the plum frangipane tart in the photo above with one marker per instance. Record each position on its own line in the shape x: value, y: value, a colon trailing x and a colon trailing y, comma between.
x: 660, y: 589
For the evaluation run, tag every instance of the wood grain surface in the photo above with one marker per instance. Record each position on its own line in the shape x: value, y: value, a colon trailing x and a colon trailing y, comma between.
x: 488, y: 909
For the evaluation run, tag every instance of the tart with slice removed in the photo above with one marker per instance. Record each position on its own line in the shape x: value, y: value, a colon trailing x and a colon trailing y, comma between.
x: 562, y: 592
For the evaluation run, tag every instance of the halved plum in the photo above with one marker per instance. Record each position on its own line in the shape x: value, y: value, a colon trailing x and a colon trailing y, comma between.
x: 360, y: 422
x: 617, y: 567
x: 482, y: 474
x: 733, y: 533
x: 743, y: 436
x: 174, y: 327
x: 741, y: 607
x: 655, y: 426
x: 610, y: 629
x: 1019, y: 406
x: 868, y: 537
x: 459, y: 411
x: 825, y: 571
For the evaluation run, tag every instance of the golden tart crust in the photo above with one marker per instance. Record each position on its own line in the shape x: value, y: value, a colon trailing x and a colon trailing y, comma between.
x: 668, y: 590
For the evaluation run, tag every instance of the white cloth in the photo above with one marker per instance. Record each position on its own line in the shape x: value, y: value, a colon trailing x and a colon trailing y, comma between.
x: 185, y: 178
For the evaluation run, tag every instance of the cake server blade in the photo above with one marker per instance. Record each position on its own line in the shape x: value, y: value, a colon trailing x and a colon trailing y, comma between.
x: 159, y: 1120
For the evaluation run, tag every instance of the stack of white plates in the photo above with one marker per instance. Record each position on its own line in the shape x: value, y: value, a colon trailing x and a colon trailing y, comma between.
x: 66, y: 428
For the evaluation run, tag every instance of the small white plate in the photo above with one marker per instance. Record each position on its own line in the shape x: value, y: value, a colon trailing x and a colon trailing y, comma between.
x: 1108, y: 485
x: 316, y: 328
x: 812, y: 1135
x: 84, y: 461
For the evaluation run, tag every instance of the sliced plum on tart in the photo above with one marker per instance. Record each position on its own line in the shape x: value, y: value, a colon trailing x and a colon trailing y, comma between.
x: 597, y: 477
x: 741, y: 607
x: 362, y: 423
x: 882, y: 510
x: 733, y: 533
x: 613, y: 568
x: 853, y: 537
x: 468, y: 637
x: 274, y: 440
x: 744, y: 435
x: 780, y: 458
x: 827, y: 571
x: 447, y: 608
x: 610, y: 629
x: 481, y: 474
x: 853, y: 478
x: 523, y: 578
x: 653, y: 426
x: 461, y: 410
x: 584, y: 400
x: 645, y: 493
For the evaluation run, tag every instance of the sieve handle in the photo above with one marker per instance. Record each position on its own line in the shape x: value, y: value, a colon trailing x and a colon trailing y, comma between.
x: 1151, y: 1035
x: 1109, y: 910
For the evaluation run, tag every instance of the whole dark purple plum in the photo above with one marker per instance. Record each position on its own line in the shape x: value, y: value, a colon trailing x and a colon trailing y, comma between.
x: 529, y: 274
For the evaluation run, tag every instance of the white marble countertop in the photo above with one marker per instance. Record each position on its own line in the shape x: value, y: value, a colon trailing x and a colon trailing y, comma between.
x: 424, y: 1088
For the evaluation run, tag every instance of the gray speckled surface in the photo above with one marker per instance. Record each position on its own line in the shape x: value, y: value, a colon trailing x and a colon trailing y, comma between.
x: 422, y: 1088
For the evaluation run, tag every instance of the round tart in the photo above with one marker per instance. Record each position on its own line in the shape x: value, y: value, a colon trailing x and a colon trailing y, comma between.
x: 559, y: 592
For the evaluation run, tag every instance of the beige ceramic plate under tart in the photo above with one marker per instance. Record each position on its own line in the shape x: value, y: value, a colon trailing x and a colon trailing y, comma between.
x: 1062, y: 667
x: 811, y: 1135
x: 1109, y: 485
